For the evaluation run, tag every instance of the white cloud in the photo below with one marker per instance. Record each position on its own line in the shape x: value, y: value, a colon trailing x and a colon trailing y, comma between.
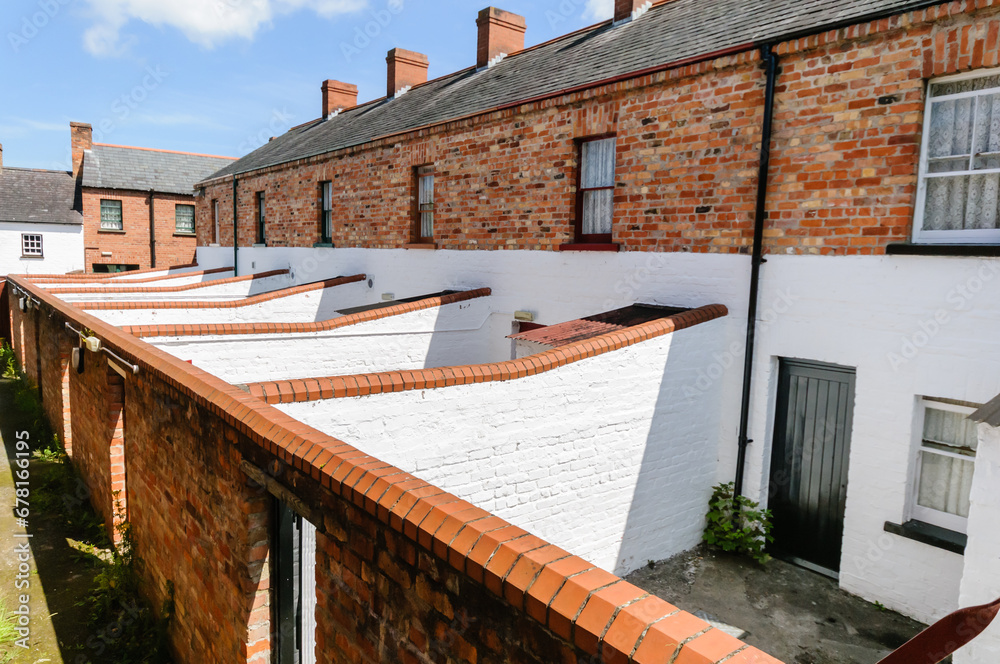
x: 600, y: 10
x: 204, y: 22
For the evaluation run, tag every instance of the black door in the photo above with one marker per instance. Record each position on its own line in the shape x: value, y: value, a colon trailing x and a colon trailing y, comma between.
x: 812, y: 443
x: 295, y: 587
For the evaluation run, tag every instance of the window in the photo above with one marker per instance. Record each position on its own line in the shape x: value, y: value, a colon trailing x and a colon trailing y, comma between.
x: 596, y: 190
x: 326, y: 216
x: 945, y: 463
x: 184, y: 219
x: 425, y: 204
x: 261, y: 237
x: 958, y: 199
x: 31, y: 245
x: 111, y: 216
x: 215, y: 221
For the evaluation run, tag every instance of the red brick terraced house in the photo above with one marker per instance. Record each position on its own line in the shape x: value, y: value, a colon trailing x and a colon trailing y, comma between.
x: 138, y: 203
x: 493, y: 337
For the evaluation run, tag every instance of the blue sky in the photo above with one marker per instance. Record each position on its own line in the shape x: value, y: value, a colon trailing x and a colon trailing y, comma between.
x: 219, y: 76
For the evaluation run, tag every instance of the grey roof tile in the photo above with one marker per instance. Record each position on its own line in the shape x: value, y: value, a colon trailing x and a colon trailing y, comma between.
x: 675, y: 31
x: 38, y: 196
x: 139, y: 169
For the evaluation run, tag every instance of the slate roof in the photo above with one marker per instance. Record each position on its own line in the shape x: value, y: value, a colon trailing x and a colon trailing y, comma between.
x: 671, y: 32
x: 38, y: 196
x: 139, y: 169
x: 571, y: 332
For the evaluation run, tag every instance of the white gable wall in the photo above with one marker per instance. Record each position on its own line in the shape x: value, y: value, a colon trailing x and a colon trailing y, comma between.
x: 62, y: 248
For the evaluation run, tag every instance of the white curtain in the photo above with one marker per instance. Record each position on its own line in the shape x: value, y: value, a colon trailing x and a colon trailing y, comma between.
x: 598, y: 170
x: 964, y: 138
x: 946, y: 480
x: 426, y: 199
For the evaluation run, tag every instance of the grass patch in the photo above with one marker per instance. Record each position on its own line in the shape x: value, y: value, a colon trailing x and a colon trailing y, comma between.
x: 123, y: 627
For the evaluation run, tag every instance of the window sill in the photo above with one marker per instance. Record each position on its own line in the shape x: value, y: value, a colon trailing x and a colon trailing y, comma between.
x: 32, y: 256
x: 258, y: 245
x: 111, y: 232
x: 913, y: 249
x: 185, y: 235
x: 583, y: 246
x: 420, y: 245
x: 926, y: 533
x: 215, y: 244
x: 323, y: 245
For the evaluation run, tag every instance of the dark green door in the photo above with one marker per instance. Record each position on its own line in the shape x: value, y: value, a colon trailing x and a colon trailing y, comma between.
x: 812, y: 444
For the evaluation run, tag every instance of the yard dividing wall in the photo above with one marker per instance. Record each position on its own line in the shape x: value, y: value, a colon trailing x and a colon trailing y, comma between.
x: 160, y: 281
x: 456, y: 333
x: 981, y: 581
x: 210, y: 290
x: 276, y: 307
x: 405, y: 570
x: 623, y: 430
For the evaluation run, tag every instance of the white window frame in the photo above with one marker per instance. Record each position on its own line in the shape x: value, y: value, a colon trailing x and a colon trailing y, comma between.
x: 29, y: 252
x: 920, y: 236
x: 917, y: 511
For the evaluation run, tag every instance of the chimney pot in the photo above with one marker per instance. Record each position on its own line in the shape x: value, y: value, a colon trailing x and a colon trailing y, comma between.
x: 500, y: 33
x: 81, y: 137
x: 626, y: 9
x: 338, y: 96
x: 405, y: 69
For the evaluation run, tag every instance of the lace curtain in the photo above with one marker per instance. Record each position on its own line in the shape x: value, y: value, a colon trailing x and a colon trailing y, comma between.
x: 598, y: 164
x: 947, y: 461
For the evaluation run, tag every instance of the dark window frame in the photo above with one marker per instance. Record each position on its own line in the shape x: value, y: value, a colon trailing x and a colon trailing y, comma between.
x: 121, y: 215
x: 215, y: 221
x: 419, y: 173
x: 194, y: 223
x: 24, y: 247
x: 579, y: 236
x: 326, y: 212
x: 261, y: 218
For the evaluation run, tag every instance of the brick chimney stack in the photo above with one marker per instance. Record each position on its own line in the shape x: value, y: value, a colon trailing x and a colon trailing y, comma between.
x: 500, y: 33
x: 406, y: 68
x: 625, y: 9
x: 338, y: 96
x: 81, y: 137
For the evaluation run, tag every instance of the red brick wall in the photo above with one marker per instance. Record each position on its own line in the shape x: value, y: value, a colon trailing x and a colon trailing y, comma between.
x: 406, y: 572
x: 131, y: 247
x: 509, y: 182
x: 843, y: 175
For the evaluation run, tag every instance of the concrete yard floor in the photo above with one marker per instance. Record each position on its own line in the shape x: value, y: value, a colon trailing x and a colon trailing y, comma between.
x: 793, y: 614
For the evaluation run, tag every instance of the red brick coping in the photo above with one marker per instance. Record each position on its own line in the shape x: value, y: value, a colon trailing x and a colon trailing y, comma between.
x: 589, y: 607
x: 336, y: 387
x: 165, y: 289
x: 80, y: 279
x: 224, y: 304
x: 105, y: 277
x: 214, y: 329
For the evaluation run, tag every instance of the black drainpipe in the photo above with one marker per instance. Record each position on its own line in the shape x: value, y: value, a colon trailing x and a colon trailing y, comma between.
x: 152, y: 232
x: 770, y: 63
x: 236, y: 244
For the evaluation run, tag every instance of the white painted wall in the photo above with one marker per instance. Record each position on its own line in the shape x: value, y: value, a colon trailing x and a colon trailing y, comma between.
x: 206, y: 293
x: 118, y: 284
x: 981, y: 580
x: 62, y: 249
x: 611, y: 457
x: 873, y: 313
x: 306, y: 307
x: 878, y: 314
x: 442, y: 336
